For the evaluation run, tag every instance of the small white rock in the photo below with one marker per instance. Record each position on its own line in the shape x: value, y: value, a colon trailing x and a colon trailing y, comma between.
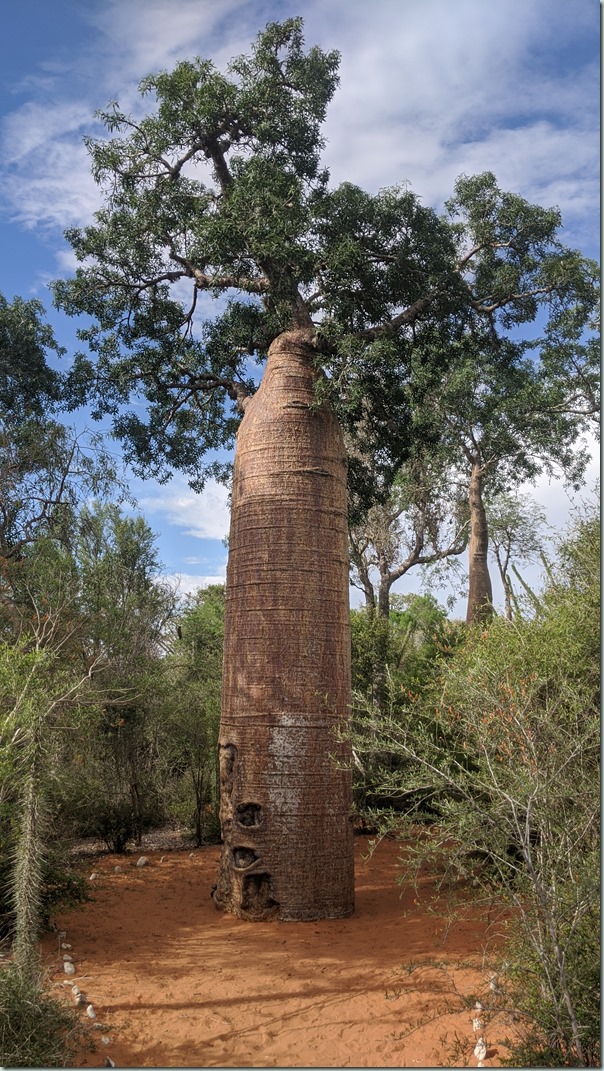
x: 90, y: 1012
x: 93, y: 876
x: 62, y: 933
x: 69, y: 968
x: 142, y: 861
x: 105, y: 1040
x: 162, y: 859
x: 67, y: 959
x: 75, y: 989
x: 108, y: 1062
x: 480, y: 1049
x: 63, y: 945
x: 477, y: 1024
x: 478, y: 1006
x: 80, y: 998
x: 117, y: 870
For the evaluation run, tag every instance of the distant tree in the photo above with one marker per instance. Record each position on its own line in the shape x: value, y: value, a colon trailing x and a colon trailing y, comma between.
x: 510, y: 408
x: 126, y: 600
x: 114, y: 788
x: 422, y: 522
x: 516, y: 529
x: 195, y: 670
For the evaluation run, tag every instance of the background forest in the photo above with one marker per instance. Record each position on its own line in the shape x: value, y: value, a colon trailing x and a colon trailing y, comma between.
x: 459, y: 351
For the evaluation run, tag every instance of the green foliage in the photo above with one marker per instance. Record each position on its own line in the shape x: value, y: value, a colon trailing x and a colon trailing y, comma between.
x: 126, y: 602
x: 35, y: 1031
x: 62, y: 885
x: 46, y: 471
x: 409, y: 648
x: 415, y: 637
x: 505, y: 746
x: 193, y: 714
x: 28, y: 386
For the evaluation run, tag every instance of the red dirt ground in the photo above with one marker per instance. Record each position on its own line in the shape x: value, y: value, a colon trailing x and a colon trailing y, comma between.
x: 175, y: 983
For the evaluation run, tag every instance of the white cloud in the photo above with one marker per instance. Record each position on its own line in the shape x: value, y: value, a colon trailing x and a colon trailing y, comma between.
x: 428, y: 89
x: 189, y: 583
x: 46, y: 179
x: 137, y: 37
x: 423, y: 98
x: 556, y: 498
x: 205, y: 515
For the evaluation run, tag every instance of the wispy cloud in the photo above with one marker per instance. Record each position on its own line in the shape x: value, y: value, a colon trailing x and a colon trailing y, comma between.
x: 205, y: 516
x: 428, y: 90
x: 189, y: 583
x: 140, y: 36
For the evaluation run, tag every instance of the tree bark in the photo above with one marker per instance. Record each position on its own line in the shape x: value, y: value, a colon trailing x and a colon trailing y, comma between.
x: 480, y: 594
x: 286, y: 791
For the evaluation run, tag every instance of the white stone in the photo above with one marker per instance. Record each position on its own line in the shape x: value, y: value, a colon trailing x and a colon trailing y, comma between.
x: 480, y: 1049
x: 67, y: 959
x: 105, y: 1040
x: 63, y: 945
x: 117, y: 870
x: 90, y: 1012
x: 69, y: 968
x: 142, y: 861
x: 93, y: 876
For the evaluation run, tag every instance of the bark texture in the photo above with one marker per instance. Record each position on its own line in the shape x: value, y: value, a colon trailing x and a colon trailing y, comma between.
x: 480, y: 593
x: 286, y: 794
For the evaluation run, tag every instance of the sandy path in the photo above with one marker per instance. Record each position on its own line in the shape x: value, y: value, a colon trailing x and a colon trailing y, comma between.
x: 175, y: 983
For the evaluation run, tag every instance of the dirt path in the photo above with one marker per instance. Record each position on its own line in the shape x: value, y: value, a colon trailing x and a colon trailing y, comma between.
x: 176, y: 983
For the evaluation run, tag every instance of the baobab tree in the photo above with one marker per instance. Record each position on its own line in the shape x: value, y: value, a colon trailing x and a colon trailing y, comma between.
x: 217, y: 191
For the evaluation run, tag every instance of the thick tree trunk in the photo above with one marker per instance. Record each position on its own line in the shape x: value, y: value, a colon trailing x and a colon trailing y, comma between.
x: 286, y: 793
x: 480, y: 594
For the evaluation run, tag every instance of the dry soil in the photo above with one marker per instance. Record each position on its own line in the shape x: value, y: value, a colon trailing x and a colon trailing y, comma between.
x: 175, y: 983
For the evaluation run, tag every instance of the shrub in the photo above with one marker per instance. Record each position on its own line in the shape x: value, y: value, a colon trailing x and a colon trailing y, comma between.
x: 35, y: 1031
x: 505, y: 746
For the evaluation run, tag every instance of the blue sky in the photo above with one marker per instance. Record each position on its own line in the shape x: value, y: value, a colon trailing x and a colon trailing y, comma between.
x: 429, y: 89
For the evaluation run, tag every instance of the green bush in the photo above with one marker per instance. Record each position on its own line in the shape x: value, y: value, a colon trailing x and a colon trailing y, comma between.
x: 35, y: 1031
x: 96, y: 803
x: 504, y: 746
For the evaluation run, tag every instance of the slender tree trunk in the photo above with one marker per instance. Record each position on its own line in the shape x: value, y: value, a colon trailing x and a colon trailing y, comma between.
x: 286, y: 792
x: 505, y: 581
x: 382, y: 626
x: 507, y: 589
x: 480, y: 595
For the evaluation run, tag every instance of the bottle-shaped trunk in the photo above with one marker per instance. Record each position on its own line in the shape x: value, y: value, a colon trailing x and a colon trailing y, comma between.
x: 480, y: 594
x: 286, y: 792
